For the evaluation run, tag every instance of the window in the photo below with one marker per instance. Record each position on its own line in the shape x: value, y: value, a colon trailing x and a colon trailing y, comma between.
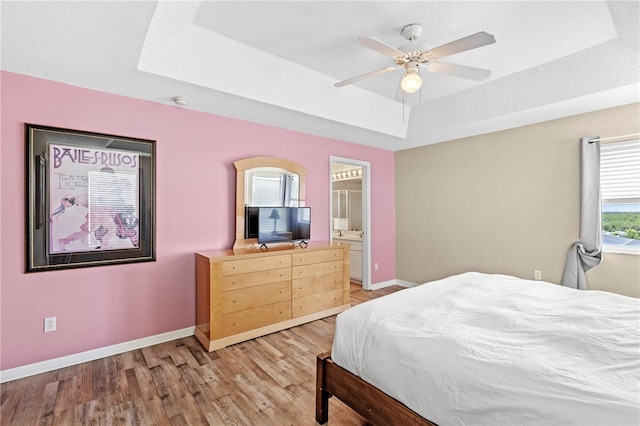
x: 272, y: 188
x: 266, y: 190
x: 620, y: 187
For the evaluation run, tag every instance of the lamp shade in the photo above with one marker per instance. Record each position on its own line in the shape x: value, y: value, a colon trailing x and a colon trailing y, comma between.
x: 274, y: 214
x: 341, y: 224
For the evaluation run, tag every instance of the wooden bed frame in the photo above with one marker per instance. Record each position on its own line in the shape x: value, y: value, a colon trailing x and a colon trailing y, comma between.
x: 367, y: 400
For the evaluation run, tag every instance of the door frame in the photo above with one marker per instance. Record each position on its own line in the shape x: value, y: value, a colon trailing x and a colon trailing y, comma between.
x: 366, y: 212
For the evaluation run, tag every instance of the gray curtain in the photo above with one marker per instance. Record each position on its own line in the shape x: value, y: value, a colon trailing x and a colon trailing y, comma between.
x: 587, y: 252
x: 286, y: 183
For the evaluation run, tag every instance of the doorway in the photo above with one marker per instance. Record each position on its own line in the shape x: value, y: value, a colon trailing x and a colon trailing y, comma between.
x: 350, y: 209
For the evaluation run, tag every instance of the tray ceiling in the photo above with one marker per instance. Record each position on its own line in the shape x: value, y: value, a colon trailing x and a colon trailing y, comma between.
x: 276, y: 62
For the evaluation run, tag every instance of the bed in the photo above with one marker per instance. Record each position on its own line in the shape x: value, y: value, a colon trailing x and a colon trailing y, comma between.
x: 486, y: 349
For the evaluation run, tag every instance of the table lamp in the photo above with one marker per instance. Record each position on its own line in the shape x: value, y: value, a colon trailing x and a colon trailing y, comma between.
x: 341, y: 225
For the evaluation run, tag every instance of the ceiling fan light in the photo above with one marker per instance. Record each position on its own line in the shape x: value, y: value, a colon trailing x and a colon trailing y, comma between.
x: 411, y: 82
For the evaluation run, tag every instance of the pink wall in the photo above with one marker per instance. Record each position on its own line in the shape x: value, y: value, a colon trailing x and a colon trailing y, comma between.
x: 101, y: 306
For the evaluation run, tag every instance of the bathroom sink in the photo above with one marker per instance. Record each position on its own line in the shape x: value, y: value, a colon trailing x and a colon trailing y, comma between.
x: 348, y: 238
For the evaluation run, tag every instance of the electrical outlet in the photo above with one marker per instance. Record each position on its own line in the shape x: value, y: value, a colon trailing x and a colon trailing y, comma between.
x: 49, y: 324
x: 375, y: 266
x: 537, y: 274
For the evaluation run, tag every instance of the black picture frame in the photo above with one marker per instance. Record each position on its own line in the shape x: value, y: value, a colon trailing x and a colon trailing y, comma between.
x: 107, y: 213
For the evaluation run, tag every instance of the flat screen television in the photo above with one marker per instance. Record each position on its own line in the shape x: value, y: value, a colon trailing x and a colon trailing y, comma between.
x: 283, y: 224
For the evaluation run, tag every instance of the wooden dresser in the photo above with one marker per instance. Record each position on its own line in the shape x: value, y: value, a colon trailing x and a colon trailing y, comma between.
x: 242, y: 294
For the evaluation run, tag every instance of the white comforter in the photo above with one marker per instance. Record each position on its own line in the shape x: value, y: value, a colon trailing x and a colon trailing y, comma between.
x: 497, y: 350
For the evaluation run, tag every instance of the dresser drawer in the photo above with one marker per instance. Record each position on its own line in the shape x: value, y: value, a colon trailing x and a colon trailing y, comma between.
x: 238, y: 322
x: 247, y: 293
x: 266, y: 263
x: 302, y: 287
x: 316, y: 270
x: 234, y: 282
x: 306, y: 258
x: 252, y: 297
x: 316, y: 302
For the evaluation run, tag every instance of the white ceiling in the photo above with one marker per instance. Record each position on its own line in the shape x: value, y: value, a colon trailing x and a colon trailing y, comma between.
x: 276, y: 62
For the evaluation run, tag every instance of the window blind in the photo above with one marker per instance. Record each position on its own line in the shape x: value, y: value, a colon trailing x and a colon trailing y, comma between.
x: 620, y: 172
x: 266, y: 191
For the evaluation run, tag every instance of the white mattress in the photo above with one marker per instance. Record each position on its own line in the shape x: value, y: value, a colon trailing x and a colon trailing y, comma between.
x: 497, y: 350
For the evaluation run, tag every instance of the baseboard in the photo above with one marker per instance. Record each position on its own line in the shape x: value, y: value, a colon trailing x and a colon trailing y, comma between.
x: 378, y: 286
x: 406, y: 283
x: 69, y: 360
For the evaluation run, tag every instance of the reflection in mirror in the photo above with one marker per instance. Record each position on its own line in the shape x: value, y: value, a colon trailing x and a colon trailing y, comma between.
x: 271, y: 187
x: 265, y: 182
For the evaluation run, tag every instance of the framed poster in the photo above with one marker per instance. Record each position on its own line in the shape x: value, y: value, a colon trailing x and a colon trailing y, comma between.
x: 90, y: 199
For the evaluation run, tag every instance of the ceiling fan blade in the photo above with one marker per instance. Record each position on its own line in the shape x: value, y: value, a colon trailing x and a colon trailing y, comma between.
x: 466, y: 43
x: 463, y: 71
x: 381, y: 47
x: 365, y: 76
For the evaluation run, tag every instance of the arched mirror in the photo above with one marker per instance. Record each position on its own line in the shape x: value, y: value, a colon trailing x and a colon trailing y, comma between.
x: 265, y: 182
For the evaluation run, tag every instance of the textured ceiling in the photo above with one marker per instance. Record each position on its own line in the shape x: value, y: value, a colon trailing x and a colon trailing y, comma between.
x: 277, y: 62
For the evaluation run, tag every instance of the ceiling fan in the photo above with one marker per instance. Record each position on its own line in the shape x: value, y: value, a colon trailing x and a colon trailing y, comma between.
x: 413, y: 55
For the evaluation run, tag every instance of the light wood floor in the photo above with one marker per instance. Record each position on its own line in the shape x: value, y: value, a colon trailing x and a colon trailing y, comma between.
x: 265, y: 381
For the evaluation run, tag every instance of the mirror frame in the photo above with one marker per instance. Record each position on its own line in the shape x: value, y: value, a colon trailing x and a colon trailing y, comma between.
x: 256, y: 162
